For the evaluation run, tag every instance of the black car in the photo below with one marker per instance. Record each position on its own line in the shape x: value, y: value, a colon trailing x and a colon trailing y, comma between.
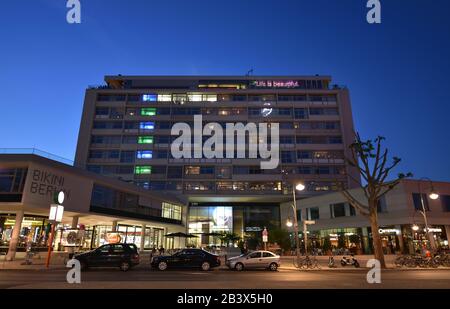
x: 123, y: 256
x: 187, y: 258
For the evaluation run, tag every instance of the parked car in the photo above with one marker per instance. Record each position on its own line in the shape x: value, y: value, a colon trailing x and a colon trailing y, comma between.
x: 123, y: 256
x: 255, y: 259
x: 186, y: 258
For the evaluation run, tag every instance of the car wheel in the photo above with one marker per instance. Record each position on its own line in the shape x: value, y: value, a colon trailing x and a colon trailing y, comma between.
x: 356, y: 264
x: 239, y: 266
x: 124, y: 266
x: 206, y: 266
x: 273, y: 266
x: 162, y: 265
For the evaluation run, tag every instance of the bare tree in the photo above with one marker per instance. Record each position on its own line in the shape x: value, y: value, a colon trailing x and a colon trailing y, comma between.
x: 371, y: 160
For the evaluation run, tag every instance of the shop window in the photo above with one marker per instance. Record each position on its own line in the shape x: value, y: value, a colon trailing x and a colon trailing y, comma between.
x: 148, y: 111
x: 149, y: 97
x: 145, y: 140
x: 143, y: 169
x: 144, y: 154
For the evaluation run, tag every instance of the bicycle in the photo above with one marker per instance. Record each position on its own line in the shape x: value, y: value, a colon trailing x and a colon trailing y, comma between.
x: 308, y: 263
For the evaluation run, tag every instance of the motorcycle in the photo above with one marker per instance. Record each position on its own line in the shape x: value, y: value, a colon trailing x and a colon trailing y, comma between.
x: 331, y: 263
x: 349, y: 261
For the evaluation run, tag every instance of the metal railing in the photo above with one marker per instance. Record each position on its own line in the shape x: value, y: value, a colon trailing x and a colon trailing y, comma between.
x: 37, y: 152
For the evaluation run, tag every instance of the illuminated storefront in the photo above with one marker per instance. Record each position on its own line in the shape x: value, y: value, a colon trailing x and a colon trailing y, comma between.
x: 34, y: 229
x: 246, y: 220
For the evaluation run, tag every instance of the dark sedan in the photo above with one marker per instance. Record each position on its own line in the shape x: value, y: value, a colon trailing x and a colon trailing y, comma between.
x: 187, y: 258
x: 123, y: 256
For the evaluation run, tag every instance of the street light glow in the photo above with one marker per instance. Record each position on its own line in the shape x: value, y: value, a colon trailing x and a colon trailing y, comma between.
x: 289, y: 222
x: 300, y: 187
x: 415, y: 227
x: 433, y: 196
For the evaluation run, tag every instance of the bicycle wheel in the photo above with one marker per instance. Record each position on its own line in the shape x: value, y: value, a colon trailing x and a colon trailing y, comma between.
x: 297, y: 262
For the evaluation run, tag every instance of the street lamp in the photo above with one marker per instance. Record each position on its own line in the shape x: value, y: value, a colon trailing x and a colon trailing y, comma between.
x: 289, y: 222
x: 55, y: 216
x: 432, y: 195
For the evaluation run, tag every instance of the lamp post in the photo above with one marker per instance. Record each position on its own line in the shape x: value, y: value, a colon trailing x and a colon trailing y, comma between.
x: 289, y: 223
x: 432, y: 195
x: 55, y: 216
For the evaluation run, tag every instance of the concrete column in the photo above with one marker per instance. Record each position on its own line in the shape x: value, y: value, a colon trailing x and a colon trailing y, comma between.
x: 143, y: 237
x: 15, y: 236
x: 401, y: 243
x: 75, y: 222
x: 447, y: 232
x: 114, y: 226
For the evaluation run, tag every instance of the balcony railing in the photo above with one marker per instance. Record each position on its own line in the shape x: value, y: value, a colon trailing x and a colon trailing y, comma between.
x: 34, y: 151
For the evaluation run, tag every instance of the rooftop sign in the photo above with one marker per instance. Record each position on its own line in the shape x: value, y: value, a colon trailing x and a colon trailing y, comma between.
x: 275, y: 84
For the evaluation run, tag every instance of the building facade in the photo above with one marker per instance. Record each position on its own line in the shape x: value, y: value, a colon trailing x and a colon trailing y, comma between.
x: 126, y: 127
x: 402, y: 226
x: 96, y: 208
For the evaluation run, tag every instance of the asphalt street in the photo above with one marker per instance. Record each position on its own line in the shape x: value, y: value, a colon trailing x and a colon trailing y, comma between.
x: 223, y: 278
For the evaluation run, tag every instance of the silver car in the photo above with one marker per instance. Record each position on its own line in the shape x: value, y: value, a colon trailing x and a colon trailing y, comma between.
x: 254, y: 259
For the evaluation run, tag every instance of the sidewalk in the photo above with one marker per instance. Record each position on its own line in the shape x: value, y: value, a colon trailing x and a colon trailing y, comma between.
x: 38, y: 262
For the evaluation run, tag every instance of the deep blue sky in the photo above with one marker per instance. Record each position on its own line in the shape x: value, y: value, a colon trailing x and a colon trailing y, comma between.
x: 397, y: 72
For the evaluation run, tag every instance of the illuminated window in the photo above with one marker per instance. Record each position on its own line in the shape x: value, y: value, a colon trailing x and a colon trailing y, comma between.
x: 144, y: 154
x: 148, y: 111
x: 192, y: 170
x: 210, y: 97
x: 171, y: 211
x: 147, y: 125
x: 149, y: 97
x: 164, y: 97
x: 224, y: 112
x: 145, y: 139
x: 143, y: 169
x: 195, y: 97
x: 179, y: 98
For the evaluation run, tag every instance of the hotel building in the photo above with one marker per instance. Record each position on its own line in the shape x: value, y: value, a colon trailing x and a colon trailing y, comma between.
x: 125, y: 133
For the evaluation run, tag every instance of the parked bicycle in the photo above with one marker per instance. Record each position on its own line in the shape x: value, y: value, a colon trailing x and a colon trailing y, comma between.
x: 415, y: 260
x: 306, y: 262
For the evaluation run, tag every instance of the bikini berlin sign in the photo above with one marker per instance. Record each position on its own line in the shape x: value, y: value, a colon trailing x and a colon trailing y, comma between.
x: 249, y: 141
